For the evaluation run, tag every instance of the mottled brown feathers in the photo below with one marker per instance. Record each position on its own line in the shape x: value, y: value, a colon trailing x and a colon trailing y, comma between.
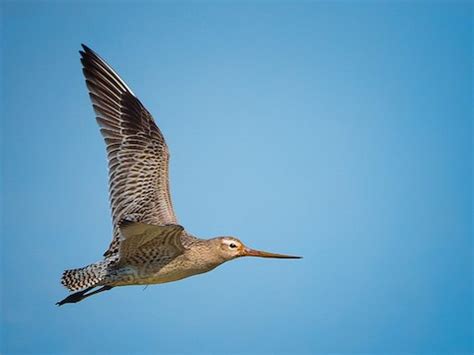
x: 147, y: 242
x: 137, y: 152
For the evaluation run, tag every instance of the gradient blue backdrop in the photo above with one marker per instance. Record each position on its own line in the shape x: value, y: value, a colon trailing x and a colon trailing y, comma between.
x: 339, y: 131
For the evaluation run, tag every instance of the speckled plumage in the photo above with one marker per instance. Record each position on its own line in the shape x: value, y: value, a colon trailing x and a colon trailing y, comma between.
x: 148, y: 246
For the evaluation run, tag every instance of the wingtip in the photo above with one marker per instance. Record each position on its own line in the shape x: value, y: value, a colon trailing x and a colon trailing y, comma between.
x: 88, y: 55
x: 87, y: 49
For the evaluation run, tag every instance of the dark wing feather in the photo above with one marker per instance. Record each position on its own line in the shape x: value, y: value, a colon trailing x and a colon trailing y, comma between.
x: 136, y: 150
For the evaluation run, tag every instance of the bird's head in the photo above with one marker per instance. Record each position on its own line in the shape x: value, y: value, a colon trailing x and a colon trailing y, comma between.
x: 230, y: 248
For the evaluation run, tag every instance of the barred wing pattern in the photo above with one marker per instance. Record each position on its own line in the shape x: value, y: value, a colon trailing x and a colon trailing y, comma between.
x: 136, y: 150
x: 143, y: 242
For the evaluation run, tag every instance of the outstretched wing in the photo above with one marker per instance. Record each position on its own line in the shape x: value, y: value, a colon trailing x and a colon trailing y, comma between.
x: 136, y: 150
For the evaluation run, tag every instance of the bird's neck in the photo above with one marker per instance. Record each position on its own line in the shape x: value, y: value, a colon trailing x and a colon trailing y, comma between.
x: 204, y: 254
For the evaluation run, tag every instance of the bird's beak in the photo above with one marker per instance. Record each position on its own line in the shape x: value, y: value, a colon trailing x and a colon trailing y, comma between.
x: 263, y: 254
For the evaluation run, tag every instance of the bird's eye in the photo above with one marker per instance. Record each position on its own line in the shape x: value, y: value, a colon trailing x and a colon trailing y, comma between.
x: 232, y: 245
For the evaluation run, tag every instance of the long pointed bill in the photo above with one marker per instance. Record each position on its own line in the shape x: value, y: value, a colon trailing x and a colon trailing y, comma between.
x: 264, y: 254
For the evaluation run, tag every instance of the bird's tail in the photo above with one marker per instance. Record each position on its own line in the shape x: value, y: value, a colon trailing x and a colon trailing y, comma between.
x: 88, y: 276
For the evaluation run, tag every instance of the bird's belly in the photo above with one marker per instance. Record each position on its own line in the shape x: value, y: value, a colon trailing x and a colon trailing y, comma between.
x: 173, y: 271
x: 163, y: 276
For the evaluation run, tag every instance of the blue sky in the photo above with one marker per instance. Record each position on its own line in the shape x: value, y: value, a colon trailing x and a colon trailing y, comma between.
x: 338, y: 131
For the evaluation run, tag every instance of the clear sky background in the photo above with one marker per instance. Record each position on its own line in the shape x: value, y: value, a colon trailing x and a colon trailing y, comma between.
x: 338, y: 131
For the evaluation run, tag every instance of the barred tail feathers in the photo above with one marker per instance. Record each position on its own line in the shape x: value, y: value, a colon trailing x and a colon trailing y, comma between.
x: 90, y: 275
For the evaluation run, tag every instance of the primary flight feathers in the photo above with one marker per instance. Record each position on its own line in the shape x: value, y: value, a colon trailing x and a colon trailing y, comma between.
x: 137, y: 152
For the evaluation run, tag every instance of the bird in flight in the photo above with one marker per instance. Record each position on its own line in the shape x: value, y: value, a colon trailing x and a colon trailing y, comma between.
x: 148, y: 244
